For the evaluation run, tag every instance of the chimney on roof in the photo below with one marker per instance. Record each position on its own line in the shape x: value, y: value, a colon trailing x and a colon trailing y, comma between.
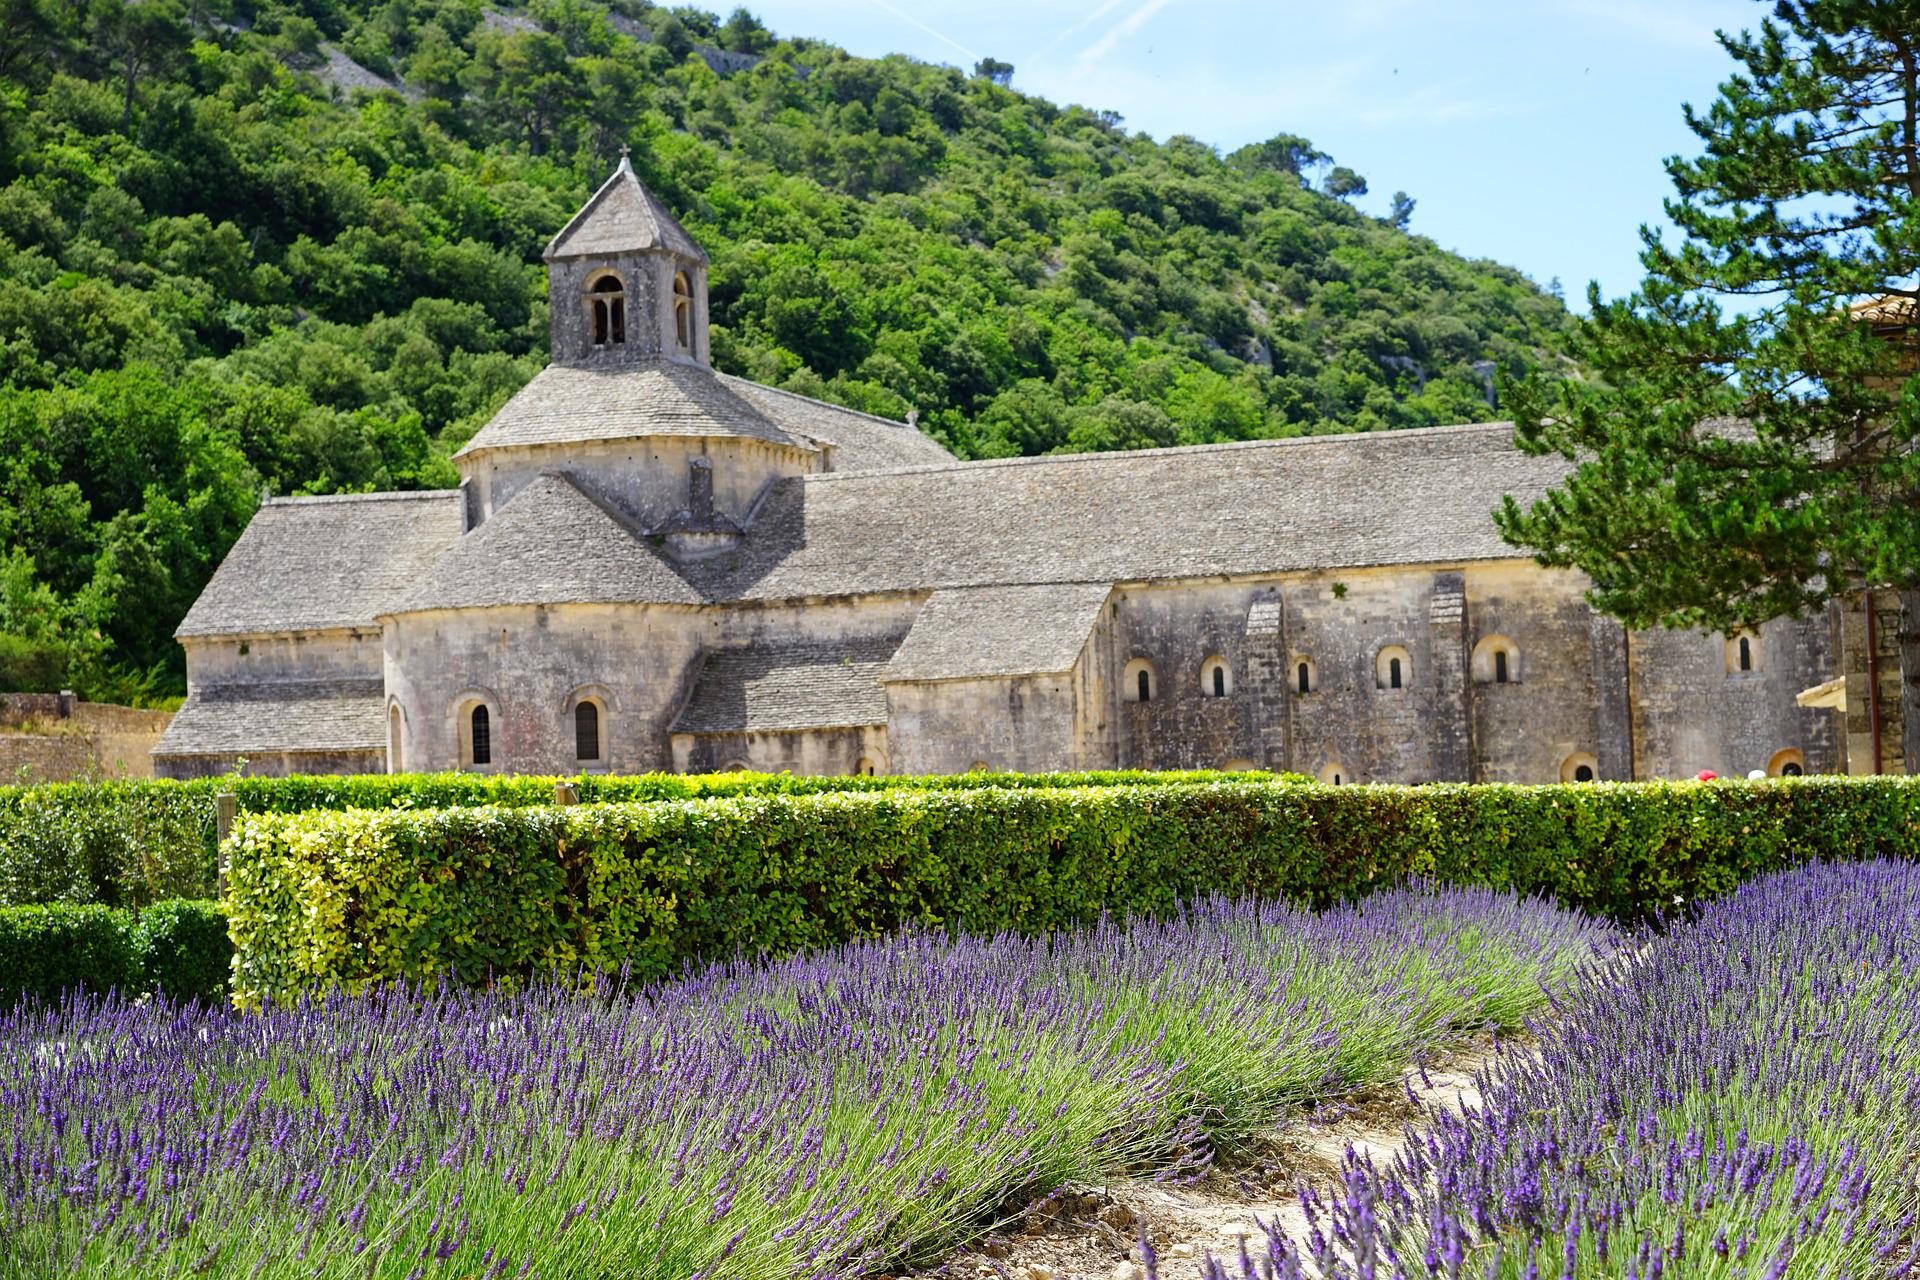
x: 698, y: 531
x: 913, y: 417
x: 700, y: 489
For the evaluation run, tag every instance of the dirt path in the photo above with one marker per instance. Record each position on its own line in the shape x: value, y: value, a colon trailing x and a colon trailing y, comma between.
x: 1092, y: 1233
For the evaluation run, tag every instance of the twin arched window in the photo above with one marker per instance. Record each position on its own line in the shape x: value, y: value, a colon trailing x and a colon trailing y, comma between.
x: 607, y: 309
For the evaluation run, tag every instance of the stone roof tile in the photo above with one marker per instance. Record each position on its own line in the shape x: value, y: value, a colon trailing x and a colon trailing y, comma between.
x: 972, y: 632
x: 800, y: 685
x: 550, y: 544
x: 314, y: 564
x: 566, y: 404
x: 1316, y: 502
x: 858, y: 441
x: 290, y: 715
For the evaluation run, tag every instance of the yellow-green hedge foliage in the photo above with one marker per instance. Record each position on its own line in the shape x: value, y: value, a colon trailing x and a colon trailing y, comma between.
x: 131, y: 843
x: 357, y: 897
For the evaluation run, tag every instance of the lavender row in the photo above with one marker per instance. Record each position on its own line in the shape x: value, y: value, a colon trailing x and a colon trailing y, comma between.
x: 826, y: 1116
x: 1740, y: 1099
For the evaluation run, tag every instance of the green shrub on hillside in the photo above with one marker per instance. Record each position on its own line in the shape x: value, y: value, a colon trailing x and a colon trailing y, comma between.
x: 131, y: 843
x: 357, y: 897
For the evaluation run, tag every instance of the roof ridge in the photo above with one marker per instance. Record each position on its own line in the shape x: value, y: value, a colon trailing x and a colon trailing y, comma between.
x: 568, y: 479
x: 384, y: 495
x: 1343, y: 437
x: 839, y: 408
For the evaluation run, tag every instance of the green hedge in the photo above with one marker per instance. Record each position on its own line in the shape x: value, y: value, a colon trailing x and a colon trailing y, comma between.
x: 131, y: 843
x: 361, y: 896
x: 177, y: 947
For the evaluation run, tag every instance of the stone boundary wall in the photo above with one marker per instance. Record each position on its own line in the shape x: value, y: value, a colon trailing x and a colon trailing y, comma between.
x: 55, y: 737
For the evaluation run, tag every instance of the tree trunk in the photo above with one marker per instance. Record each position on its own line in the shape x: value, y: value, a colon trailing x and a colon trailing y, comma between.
x: 1909, y: 641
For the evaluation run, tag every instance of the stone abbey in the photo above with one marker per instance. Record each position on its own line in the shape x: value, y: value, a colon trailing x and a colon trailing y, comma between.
x: 649, y: 565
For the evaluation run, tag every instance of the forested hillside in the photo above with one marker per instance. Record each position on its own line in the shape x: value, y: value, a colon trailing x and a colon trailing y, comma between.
x: 296, y: 246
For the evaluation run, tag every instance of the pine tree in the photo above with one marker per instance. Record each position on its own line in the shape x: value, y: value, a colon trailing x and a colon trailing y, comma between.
x: 1746, y: 447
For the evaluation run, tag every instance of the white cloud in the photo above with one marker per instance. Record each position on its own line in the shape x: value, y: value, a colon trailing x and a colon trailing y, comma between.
x: 1672, y: 24
x: 1121, y: 30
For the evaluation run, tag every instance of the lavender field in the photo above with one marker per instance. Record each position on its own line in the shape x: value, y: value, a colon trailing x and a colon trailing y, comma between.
x: 1743, y: 1100
x: 836, y: 1115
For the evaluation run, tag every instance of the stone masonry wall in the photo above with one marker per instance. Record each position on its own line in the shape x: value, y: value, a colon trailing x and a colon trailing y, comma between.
x: 55, y: 737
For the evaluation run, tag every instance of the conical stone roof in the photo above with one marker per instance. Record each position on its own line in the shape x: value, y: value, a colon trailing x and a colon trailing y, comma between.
x: 623, y: 217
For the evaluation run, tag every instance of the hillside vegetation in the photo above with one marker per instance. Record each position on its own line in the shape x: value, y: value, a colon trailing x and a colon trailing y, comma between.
x: 296, y: 247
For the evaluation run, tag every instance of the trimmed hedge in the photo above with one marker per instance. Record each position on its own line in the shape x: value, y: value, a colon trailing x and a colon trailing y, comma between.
x: 177, y: 947
x: 358, y: 897
x: 131, y: 843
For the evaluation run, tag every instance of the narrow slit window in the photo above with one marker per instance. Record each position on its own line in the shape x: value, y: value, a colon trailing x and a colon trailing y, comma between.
x: 1746, y: 654
x: 586, y: 732
x: 482, y: 736
x: 1500, y: 667
x: 1219, y: 682
x: 1306, y: 678
x: 1146, y: 687
x: 1393, y: 673
x: 682, y: 311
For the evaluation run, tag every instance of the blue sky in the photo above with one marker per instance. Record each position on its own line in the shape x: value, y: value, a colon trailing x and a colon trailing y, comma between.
x: 1528, y: 131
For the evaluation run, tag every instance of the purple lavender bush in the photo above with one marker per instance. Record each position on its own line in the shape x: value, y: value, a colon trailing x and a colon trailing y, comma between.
x: 832, y: 1115
x: 1741, y: 1098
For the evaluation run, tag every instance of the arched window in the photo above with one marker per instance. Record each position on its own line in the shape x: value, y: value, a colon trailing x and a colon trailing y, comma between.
x: 1744, y: 653
x: 863, y: 768
x: 1787, y: 764
x: 395, y: 761
x: 1393, y: 668
x: 586, y: 731
x: 1137, y: 682
x: 1579, y: 767
x: 1496, y: 660
x: 480, y: 741
x: 682, y: 311
x: 607, y: 305
x: 1305, y: 677
x: 1216, y: 681
x: 1335, y: 774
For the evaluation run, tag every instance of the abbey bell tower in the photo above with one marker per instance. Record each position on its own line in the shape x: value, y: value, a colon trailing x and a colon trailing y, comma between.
x: 625, y: 282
